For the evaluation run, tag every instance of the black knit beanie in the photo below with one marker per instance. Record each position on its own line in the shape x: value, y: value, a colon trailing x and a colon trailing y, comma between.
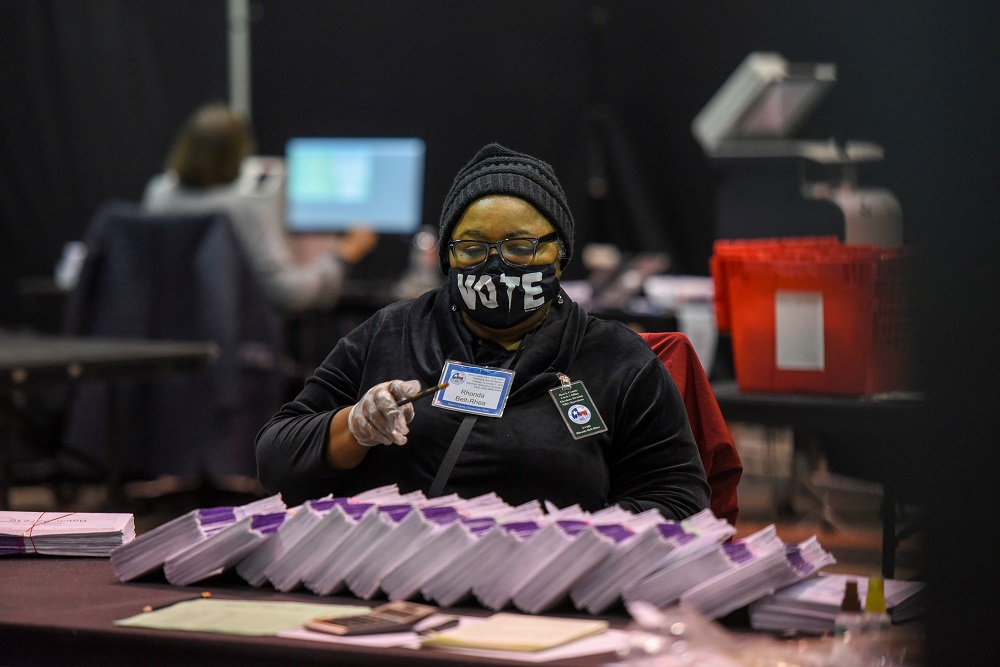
x: 496, y: 170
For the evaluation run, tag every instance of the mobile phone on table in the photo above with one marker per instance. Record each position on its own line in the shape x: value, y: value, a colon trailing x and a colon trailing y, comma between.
x: 398, y: 616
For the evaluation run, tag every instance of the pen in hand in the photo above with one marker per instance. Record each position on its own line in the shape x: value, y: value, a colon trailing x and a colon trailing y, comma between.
x: 421, y: 394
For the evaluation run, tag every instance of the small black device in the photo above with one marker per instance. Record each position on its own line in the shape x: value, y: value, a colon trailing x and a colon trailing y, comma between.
x: 398, y: 616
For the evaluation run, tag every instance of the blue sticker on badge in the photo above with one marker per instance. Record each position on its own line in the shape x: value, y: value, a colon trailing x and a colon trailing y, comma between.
x: 478, y: 390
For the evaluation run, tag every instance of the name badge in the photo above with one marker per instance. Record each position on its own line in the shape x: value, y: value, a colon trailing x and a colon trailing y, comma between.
x: 478, y: 390
x: 577, y: 408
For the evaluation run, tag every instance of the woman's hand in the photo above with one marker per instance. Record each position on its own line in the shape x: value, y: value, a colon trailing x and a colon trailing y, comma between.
x: 377, y: 420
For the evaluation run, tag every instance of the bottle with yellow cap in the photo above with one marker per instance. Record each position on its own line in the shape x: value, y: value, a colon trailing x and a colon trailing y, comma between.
x: 875, y: 616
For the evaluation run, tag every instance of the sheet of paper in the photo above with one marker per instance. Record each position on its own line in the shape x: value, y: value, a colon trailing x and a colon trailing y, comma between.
x: 237, y: 617
x: 517, y: 632
x: 382, y: 640
x: 606, y: 642
x: 798, y: 331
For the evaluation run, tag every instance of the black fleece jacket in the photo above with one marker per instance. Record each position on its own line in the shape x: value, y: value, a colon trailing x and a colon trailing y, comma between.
x: 647, y: 458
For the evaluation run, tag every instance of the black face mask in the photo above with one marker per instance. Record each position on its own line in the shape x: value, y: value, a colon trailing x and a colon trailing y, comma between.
x: 499, y: 296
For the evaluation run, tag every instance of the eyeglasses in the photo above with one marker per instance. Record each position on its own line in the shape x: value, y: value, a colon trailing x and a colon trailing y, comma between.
x: 514, y: 252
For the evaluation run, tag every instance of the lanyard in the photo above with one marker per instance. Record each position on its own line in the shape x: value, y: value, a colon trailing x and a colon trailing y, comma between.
x: 462, y: 434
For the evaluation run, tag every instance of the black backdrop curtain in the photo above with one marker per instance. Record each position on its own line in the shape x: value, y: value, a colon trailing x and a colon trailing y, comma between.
x: 93, y: 91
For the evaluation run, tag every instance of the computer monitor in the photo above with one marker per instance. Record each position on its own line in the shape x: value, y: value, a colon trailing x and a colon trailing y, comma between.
x: 335, y: 184
x: 765, y: 100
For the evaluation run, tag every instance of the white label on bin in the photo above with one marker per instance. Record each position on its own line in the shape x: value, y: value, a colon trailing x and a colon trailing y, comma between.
x: 798, y: 331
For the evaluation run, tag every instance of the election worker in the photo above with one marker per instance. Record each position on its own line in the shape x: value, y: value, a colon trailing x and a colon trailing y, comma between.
x: 207, y: 171
x: 543, y: 401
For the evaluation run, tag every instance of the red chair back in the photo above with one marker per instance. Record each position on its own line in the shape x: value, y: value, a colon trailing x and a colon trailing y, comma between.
x: 715, y: 444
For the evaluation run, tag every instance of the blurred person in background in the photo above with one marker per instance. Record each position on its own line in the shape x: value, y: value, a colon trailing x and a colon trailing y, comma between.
x: 211, y: 168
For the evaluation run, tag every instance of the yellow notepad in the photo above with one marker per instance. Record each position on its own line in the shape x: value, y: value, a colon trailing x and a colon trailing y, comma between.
x: 517, y: 632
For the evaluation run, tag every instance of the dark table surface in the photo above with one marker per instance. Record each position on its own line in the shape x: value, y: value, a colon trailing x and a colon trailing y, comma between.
x: 59, y: 610
x: 31, y: 361
x: 873, y: 437
x: 45, y: 358
x: 866, y: 435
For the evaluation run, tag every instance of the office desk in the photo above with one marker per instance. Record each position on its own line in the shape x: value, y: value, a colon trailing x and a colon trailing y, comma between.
x: 884, y: 429
x: 31, y: 361
x: 57, y: 611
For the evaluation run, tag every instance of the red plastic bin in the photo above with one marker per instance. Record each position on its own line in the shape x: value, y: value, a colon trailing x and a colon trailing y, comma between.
x: 814, y: 315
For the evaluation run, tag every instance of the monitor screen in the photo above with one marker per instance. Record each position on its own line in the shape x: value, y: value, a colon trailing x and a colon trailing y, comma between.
x: 765, y: 99
x: 777, y: 110
x: 335, y: 184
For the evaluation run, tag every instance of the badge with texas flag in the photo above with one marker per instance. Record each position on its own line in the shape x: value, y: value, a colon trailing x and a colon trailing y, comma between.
x: 577, y: 409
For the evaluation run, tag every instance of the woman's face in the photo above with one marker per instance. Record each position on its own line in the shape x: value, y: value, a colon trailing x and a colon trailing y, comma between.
x: 499, y: 217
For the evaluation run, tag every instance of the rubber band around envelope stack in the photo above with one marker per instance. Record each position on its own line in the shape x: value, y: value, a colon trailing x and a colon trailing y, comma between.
x: 31, y: 528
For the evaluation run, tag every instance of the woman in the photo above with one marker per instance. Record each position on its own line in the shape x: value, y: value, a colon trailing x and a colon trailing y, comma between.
x: 506, y: 234
x: 203, y: 174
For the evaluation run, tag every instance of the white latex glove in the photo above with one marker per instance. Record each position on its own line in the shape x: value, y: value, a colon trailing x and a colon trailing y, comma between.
x: 377, y: 420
